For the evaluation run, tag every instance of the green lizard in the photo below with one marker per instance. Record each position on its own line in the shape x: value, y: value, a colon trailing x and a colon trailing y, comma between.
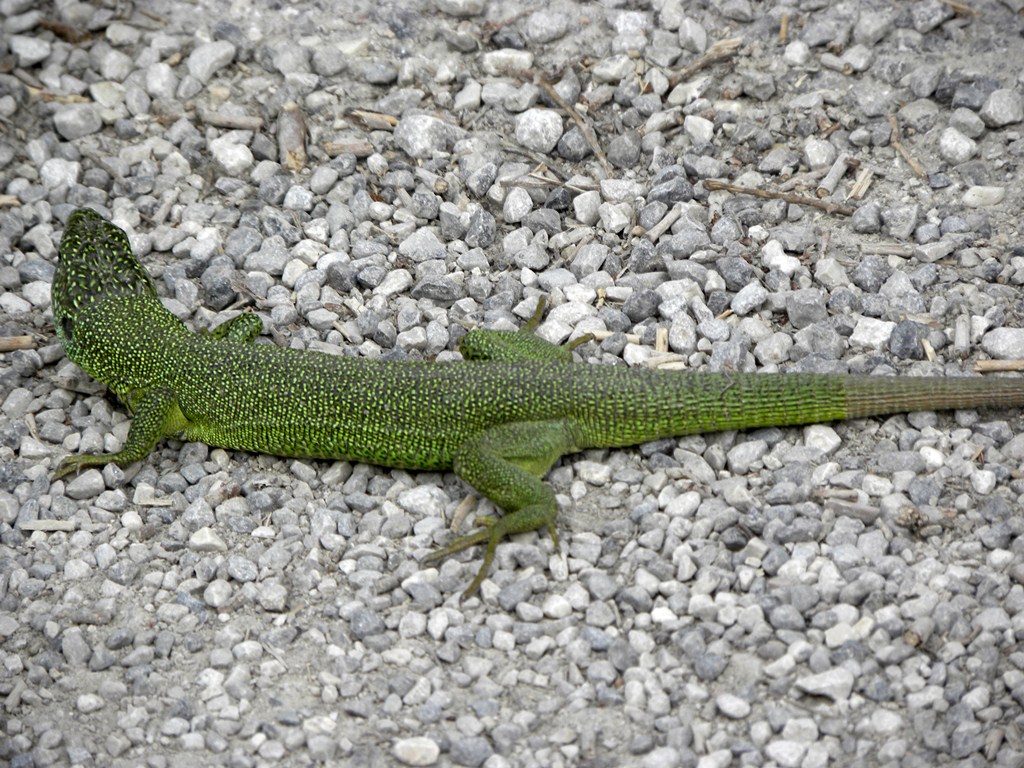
x: 499, y: 419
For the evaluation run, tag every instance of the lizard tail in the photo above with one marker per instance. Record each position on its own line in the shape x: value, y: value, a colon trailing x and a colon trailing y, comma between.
x: 875, y: 395
x: 618, y: 410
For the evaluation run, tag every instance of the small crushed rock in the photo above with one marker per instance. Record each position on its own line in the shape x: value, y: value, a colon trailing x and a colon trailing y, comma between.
x: 822, y: 187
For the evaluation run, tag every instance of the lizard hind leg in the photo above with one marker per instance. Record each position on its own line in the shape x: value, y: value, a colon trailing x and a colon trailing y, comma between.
x: 505, y: 463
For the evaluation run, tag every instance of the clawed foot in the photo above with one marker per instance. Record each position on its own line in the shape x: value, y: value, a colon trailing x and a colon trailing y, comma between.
x: 492, y: 531
x: 70, y: 464
x: 487, y: 535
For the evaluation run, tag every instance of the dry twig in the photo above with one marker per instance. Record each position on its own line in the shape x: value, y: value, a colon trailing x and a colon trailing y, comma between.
x: 961, y: 8
x: 860, y: 186
x: 828, y: 184
x: 789, y: 197
x: 232, y: 122
x: 291, y: 137
x: 64, y: 32
x: 719, y: 51
x: 997, y: 366
x: 659, y: 229
x: 372, y: 121
x: 11, y: 343
x: 897, y: 144
x: 354, y: 146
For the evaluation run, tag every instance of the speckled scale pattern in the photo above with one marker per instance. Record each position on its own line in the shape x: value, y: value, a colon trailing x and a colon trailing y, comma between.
x: 258, y: 397
x: 96, y: 265
x: 311, y: 404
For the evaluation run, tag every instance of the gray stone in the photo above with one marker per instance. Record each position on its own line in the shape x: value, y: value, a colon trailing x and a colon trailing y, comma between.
x: 422, y: 245
x: 75, y: 648
x: 749, y: 299
x: 692, y: 36
x: 364, y: 623
x: 73, y: 121
x: 461, y: 8
x: 967, y: 122
x: 906, y: 340
x: 805, y: 307
x: 421, y: 136
x: 544, y: 26
x: 623, y: 150
x: 955, y: 148
x: 835, y: 684
x: 85, y: 485
x: 29, y: 49
x: 1004, y: 106
x: 1004, y: 343
x: 242, y: 568
x: 471, y: 751
x: 209, y: 58
x: 929, y: 14
x: 900, y: 221
x: 539, y: 129
x: 273, y: 596
x: 758, y: 84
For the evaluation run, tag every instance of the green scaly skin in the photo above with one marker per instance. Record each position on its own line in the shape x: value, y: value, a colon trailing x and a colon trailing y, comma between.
x: 499, y: 419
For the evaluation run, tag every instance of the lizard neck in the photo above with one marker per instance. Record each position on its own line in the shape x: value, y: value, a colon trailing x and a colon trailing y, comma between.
x: 129, y: 344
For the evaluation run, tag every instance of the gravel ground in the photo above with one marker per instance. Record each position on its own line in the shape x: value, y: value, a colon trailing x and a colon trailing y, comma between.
x: 382, y: 177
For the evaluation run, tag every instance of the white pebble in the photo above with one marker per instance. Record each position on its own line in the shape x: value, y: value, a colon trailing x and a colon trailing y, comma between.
x: 835, y: 684
x: 517, y: 204
x: 88, y: 702
x: 955, y: 148
x: 981, y: 197
x: 797, y: 53
x: 233, y: 157
x: 983, y: 481
x: 822, y: 437
x: 217, y: 593
x: 699, y: 129
x: 871, y: 333
x: 787, y: 754
x: 417, y: 751
x: 732, y: 706
x: 206, y: 540
x: 775, y: 257
x: 692, y: 36
x: 539, y: 129
x: 557, y: 607
x: 1004, y: 343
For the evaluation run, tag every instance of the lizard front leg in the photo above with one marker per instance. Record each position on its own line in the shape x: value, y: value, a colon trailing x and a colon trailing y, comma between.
x: 524, y: 344
x: 155, y: 414
x: 243, y: 329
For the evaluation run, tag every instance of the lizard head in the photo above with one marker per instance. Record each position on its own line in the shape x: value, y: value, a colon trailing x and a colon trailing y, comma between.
x: 97, y: 284
x: 95, y: 264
